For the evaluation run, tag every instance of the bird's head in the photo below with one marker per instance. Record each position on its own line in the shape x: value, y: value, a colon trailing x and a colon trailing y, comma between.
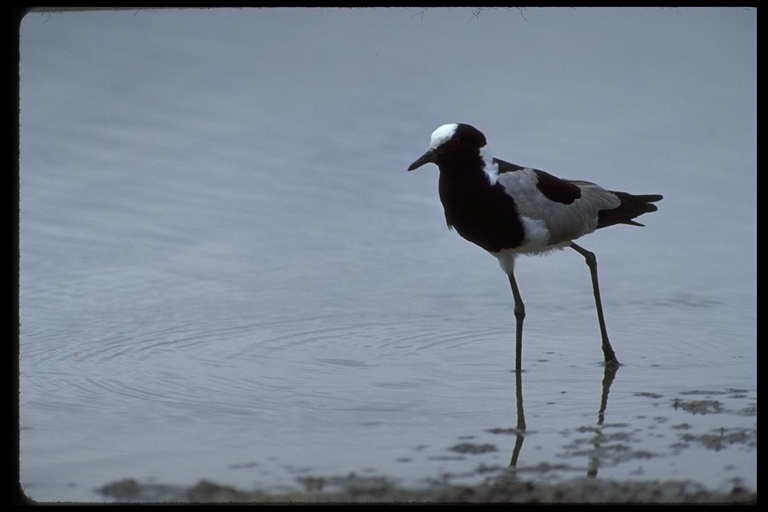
x: 451, y: 143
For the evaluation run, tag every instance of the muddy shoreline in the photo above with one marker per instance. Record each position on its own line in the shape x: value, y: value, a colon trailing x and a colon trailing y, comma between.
x: 357, y: 489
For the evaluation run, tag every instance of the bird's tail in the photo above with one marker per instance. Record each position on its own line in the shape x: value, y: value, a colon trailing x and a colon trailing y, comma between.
x: 631, y: 206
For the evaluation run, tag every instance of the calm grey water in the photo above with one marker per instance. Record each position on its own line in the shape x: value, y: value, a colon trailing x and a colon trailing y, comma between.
x: 227, y: 273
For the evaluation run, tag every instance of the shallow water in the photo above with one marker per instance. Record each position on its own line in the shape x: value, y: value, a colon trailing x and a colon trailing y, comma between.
x: 226, y: 272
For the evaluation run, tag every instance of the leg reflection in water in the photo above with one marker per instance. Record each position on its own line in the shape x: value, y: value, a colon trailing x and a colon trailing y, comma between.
x: 520, y: 430
x: 594, y: 459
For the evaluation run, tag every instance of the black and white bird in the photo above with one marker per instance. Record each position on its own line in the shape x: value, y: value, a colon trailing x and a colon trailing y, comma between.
x: 509, y: 209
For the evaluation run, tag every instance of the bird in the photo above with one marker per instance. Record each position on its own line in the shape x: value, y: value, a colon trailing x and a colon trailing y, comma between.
x: 509, y: 209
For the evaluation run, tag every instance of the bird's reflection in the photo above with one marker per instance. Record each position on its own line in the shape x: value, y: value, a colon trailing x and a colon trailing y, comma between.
x: 520, y: 430
x: 594, y: 460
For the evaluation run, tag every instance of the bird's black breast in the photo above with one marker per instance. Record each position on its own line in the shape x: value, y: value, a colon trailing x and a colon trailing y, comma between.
x: 480, y: 212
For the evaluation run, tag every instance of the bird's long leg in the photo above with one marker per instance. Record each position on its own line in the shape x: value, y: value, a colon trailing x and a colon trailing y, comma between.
x: 519, y: 316
x: 610, y: 356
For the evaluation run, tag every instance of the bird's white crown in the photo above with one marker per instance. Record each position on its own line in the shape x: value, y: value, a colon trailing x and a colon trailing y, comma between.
x: 442, y: 135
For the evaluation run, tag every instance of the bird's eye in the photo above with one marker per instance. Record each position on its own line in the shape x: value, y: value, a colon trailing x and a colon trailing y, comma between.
x: 456, y: 142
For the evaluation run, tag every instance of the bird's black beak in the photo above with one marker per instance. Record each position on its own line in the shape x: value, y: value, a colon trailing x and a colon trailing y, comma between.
x: 425, y: 158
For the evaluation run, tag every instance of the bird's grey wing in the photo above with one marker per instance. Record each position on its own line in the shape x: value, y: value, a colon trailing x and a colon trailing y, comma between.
x: 567, y: 209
